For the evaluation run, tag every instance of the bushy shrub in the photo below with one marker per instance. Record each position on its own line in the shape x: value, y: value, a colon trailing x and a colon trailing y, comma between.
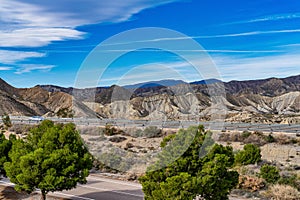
x: 152, y: 132
x: 249, y: 155
x: 269, y: 173
x: 246, y: 134
x: 270, y: 138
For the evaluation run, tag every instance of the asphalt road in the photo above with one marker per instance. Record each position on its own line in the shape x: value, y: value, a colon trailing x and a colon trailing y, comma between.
x: 124, y: 123
x: 98, y: 188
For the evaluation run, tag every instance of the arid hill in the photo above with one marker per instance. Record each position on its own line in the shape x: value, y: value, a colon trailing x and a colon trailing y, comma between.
x: 267, y: 101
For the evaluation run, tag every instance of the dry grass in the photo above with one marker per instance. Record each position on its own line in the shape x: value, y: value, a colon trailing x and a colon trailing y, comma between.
x: 251, y: 183
x: 283, y: 192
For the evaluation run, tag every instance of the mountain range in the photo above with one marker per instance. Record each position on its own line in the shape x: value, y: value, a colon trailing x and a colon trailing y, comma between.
x: 265, y: 101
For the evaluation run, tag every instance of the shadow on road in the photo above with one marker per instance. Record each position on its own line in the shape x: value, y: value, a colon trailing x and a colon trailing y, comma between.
x: 115, y: 195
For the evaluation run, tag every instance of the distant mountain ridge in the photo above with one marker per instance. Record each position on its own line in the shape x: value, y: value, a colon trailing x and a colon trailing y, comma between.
x: 163, y: 83
x: 248, y: 101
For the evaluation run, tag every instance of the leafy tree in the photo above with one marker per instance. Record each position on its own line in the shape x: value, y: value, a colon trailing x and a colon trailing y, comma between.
x: 269, y: 173
x: 6, y: 120
x: 52, y: 158
x: 249, y: 155
x: 191, y: 174
x: 5, y: 146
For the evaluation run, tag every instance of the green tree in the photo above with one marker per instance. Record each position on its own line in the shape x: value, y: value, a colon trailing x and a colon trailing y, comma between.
x: 269, y: 173
x: 249, y: 155
x: 6, y: 120
x: 191, y: 174
x: 52, y: 158
x: 5, y: 146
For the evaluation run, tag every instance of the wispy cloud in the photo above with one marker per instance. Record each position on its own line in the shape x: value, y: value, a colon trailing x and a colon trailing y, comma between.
x: 283, y: 16
x: 251, y: 33
x: 12, y: 57
x: 290, y: 45
x: 193, y: 50
x: 25, y: 68
x: 241, y: 34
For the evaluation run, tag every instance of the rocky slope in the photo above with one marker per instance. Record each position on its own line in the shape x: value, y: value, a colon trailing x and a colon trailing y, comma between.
x: 269, y: 100
x: 37, y: 101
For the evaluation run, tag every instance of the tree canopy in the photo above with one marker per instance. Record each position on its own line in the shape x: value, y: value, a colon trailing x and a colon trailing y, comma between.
x: 52, y: 158
x: 195, y: 172
x: 5, y: 146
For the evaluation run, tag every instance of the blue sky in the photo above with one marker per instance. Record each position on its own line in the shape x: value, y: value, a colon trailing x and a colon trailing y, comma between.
x: 46, y: 42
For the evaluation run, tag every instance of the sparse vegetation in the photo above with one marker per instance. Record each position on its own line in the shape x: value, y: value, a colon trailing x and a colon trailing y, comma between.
x: 270, y: 138
x: 291, y: 180
x: 246, y: 134
x: 65, y: 113
x: 117, y: 139
x: 282, y: 192
x: 6, y: 121
x: 111, y: 130
x: 257, y: 138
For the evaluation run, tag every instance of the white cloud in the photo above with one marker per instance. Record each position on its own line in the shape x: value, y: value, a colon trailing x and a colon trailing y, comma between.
x: 36, y: 37
x: 5, y: 68
x: 25, y: 68
x: 11, y: 57
x: 34, y: 23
